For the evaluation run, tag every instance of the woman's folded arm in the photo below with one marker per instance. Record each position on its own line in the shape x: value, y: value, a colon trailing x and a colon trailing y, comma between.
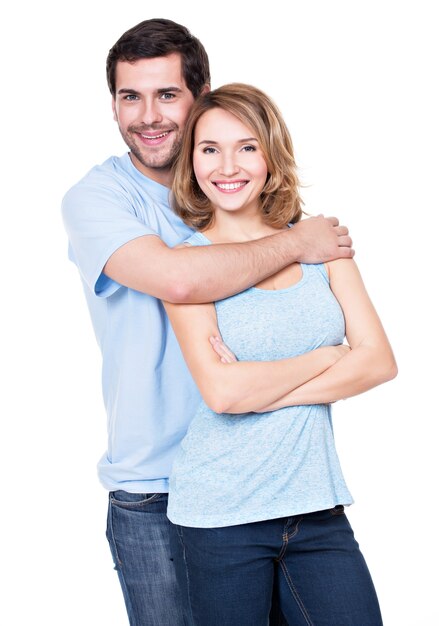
x: 241, y: 386
x: 370, y: 361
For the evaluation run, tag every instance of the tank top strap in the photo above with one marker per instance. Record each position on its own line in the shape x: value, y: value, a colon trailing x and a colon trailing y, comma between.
x: 197, y: 239
x: 318, y: 269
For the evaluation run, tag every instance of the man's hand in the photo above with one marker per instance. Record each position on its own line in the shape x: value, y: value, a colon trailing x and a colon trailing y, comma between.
x: 225, y: 355
x: 320, y: 239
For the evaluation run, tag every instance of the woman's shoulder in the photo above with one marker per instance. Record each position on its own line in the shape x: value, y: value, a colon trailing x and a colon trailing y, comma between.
x: 342, y: 267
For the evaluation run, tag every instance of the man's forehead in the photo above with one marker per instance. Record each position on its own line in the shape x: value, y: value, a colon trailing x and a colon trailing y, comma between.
x: 150, y: 74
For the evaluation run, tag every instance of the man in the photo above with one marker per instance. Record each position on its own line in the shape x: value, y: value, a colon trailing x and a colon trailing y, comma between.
x: 121, y: 232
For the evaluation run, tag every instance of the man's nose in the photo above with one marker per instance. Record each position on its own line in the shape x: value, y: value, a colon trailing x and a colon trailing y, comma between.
x: 151, y: 113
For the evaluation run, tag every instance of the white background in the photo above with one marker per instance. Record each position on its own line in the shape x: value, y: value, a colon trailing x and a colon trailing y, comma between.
x: 357, y: 83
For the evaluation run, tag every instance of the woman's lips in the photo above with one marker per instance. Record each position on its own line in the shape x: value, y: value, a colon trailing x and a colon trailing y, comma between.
x: 229, y: 187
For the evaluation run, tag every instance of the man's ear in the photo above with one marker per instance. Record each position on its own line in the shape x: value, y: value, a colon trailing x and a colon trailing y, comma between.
x: 205, y: 89
x: 113, y: 106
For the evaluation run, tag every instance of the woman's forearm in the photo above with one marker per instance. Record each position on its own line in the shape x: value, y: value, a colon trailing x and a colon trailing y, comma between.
x: 361, y: 369
x: 247, y: 386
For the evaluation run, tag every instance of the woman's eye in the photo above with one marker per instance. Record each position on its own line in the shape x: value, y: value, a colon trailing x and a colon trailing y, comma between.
x: 209, y: 150
x: 249, y: 148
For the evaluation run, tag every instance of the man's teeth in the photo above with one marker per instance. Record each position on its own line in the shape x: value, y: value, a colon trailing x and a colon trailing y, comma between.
x: 155, y: 136
x: 228, y: 186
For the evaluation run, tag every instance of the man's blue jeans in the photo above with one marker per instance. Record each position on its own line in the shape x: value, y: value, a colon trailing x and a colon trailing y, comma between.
x: 138, y: 533
x: 312, y: 561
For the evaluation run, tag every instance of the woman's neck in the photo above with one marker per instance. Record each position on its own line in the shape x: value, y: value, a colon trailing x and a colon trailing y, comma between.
x: 232, y: 228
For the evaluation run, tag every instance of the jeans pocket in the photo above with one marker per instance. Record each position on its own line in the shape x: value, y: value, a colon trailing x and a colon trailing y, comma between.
x: 134, y: 501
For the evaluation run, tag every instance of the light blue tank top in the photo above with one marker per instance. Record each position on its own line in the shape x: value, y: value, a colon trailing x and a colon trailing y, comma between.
x: 236, y: 469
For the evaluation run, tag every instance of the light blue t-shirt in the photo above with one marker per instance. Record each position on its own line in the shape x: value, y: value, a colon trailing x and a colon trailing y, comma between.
x: 148, y: 391
x: 237, y: 469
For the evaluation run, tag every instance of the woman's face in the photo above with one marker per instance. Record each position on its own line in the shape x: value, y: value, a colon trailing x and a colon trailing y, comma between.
x: 228, y: 162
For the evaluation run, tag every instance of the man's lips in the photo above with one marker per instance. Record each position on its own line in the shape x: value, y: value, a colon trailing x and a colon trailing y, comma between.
x: 153, y: 138
x: 229, y: 186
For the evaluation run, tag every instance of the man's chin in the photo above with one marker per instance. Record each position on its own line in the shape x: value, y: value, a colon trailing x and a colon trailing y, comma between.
x: 159, y: 162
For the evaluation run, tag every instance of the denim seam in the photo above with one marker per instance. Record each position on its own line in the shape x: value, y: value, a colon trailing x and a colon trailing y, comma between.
x: 286, y: 537
x: 295, y: 594
x: 180, y: 538
x: 113, y: 539
x: 134, y: 505
x: 296, y: 529
x: 119, y: 567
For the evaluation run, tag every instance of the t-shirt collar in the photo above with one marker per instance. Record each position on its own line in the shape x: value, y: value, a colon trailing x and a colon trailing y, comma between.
x: 161, y: 192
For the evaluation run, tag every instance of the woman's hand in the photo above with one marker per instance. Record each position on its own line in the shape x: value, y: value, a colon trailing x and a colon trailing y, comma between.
x: 224, y: 353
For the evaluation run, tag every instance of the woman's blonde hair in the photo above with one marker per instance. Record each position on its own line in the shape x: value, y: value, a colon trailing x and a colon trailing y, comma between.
x: 280, y: 200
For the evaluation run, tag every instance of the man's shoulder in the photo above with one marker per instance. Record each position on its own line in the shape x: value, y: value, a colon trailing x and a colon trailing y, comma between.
x: 111, y: 181
x: 115, y: 187
x: 117, y: 176
x: 104, y: 186
x: 111, y: 172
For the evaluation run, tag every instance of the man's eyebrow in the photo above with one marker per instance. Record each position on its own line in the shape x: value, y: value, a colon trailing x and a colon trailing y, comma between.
x: 130, y: 91
x: 168, y: 89
x: 246, y: 140
x: 162, y: 90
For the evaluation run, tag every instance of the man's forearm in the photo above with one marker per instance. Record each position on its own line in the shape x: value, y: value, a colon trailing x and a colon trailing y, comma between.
x: 211, y: 273
x: 208, y: 273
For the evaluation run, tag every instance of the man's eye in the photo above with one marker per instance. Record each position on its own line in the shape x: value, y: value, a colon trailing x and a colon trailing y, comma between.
x: 167, y: 96
x: 131, y: 97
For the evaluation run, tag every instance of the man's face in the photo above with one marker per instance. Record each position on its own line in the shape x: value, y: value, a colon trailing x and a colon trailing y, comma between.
x: 151, y: 106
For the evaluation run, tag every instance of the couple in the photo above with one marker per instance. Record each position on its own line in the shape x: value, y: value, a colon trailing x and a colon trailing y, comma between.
x: 257, y: 493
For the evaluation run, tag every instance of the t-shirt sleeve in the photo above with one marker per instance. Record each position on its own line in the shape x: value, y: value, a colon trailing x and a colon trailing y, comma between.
x: 99, y: 219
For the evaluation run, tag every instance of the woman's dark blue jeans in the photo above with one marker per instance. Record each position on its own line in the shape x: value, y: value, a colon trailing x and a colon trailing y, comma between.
x: 312, y: 564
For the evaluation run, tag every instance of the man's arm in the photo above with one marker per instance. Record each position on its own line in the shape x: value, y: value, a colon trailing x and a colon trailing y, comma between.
x: 208, y: 273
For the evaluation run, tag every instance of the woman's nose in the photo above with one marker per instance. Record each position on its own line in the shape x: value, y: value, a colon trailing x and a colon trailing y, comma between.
x: 229, y: 166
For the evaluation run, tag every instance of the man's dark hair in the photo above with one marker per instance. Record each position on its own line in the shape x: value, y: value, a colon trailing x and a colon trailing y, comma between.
x: 158, y: 38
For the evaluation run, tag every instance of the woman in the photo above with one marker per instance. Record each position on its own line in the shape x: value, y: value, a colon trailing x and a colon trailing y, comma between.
x: 257, y: 495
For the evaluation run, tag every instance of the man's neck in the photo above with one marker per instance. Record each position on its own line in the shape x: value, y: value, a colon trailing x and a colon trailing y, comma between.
x: 163, y: 176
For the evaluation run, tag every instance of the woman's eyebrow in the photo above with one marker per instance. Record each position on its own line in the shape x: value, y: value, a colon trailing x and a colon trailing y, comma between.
x: 246, y: 140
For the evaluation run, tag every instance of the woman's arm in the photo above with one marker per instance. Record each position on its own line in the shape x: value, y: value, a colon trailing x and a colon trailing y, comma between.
x: 242, y: 386
x: 370, y: 361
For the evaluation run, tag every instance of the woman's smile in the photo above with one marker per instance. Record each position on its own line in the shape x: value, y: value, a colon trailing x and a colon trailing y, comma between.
x: 228, y: 163
x: 231, y: 186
